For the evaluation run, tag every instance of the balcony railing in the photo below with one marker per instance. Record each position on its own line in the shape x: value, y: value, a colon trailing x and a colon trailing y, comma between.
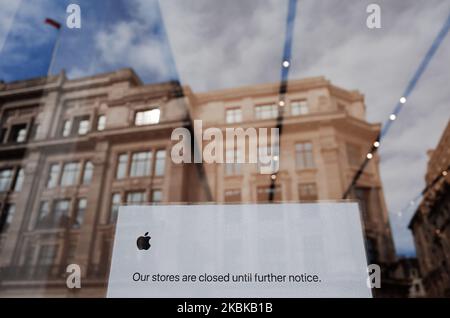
x: 32, y: 273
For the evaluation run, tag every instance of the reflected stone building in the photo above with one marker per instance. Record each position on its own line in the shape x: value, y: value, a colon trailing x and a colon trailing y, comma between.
x: 430, y: 224
x: 73, y: 151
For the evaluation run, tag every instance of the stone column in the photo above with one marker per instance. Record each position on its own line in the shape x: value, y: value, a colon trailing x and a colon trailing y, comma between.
x: 48, y: 118
x: 330, y: 178
x: 87, y: 236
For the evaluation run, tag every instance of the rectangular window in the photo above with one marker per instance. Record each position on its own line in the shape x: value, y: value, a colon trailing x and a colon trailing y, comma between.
x: 266, y: 111
x: 116, y: 201
x: 60, y: 215
x: 299, y: 108
x: 79, y: 213
x: 18, y: 133
x: 263, y: 193
x: 101, y: 122
x: 88, y: 172
x: 66, y: 127
x: 147, y: 117
x: 156, y: 196
x: 141, y: 164
x: 122, y: 165
x: 70, y: 174
x: 137, y: 197
x: 354, y: 155
x: 43, y: 219
x: 19, y: 180
x: 47, y: 254
x: 232, y: 167
x: 7, y: 216
x: 82, y: 125
x: 6, y: 176
x: 304, y: 155
x: 232, y: 196
x: 307, y: 192
x: 233, y: 115
x: 53, y: 174
x: 160, y: 163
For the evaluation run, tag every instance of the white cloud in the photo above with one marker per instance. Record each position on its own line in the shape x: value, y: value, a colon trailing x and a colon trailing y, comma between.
x: 127, y: 44
x: 27, y: 24
x: 227, y: 43
x: 7, y: 13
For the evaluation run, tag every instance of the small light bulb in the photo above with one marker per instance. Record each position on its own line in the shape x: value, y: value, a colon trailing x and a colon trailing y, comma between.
x: 376, y: 144
x: 286, y: 64
x: 273, y: 177
x: 403, y: 100
x: 392, y: 117
x: 369, y: 156
x: 275, y: 158
x: 281, y: 103
x: 444, y: 173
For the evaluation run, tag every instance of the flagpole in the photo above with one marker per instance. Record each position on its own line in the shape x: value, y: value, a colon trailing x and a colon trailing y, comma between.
x: 54, y: 51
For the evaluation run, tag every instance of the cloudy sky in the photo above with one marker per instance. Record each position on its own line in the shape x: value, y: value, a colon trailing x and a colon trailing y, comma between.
x: 213, y: 44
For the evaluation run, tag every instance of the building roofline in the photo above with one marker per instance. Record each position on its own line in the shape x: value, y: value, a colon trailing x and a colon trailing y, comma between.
x: 120, y: 74
x: 273, y: 88
x: 54, y: 81
x: 128, y: 74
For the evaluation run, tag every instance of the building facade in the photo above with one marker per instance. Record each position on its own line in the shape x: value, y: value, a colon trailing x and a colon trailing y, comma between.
x: 430, y: 224
x: 73, y: 151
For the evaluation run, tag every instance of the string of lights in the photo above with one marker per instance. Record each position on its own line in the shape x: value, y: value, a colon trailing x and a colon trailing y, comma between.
x: 428, y: 187
x: 401, y: 103
x: 285, y: 66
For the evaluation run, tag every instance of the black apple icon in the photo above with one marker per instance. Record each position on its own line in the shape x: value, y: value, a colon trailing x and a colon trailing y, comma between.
x: 143, y: 242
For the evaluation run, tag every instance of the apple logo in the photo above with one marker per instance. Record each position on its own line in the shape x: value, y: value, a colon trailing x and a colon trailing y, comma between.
x: 143, y: 242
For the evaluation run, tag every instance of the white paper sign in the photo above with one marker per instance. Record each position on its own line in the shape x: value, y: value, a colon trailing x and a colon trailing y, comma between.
x: 242, y: 251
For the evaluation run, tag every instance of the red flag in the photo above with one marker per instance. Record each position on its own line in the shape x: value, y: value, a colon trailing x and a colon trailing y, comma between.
x: 53, y: 23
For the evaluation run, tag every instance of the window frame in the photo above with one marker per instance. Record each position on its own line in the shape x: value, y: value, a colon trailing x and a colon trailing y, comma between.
x: 300, y: 105
x: 146, y: 121
x: 233, y: 113
x: 101, y: 122
x: 75, y: 176
x: 122, y: 165
x: 6, y: 186
x: 136, y: 164
x: 75, y: 224
x: 91, y: 171
x: 271, y: 109
x: 310, y: 196
x: 135, y: 192
x: 113, y: 205
x: 160, y: 161
x: 306, y: 155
